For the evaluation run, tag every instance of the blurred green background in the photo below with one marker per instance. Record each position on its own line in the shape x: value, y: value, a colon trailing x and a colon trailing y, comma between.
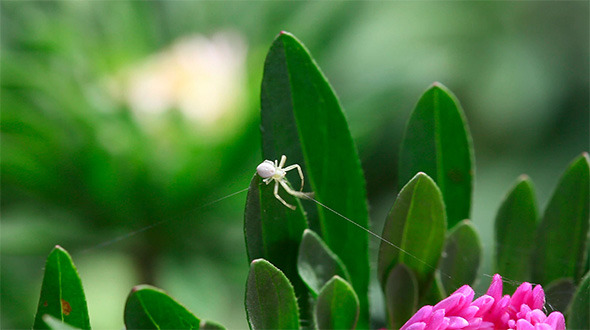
x: 119, y: 114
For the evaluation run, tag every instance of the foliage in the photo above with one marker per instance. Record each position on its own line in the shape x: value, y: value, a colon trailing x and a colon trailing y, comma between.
x: 309, y: 267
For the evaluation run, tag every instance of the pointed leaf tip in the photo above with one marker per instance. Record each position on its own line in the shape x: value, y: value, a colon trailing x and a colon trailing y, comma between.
x: 150, y: 307
x: 270, y: 298
x: 317, y: 264
x: 563, y: 231
x: 297, y: 104
x: 62, y: 295
x: 514, y: 229
x: 437, y: 141
x: 337, y: 305
x: 416, y: 225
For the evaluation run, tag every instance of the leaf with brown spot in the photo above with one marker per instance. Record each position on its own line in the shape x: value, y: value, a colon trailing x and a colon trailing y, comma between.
x: 66, y: 308
x: 62, y: 295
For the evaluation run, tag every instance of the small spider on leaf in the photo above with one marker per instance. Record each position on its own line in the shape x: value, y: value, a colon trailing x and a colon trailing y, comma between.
x: 271, y: 171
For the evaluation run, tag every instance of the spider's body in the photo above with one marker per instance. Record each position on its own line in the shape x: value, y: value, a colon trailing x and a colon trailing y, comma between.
x: 271, y: 171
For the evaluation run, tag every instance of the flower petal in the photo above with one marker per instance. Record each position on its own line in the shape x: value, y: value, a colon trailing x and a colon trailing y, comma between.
x: 421, y: 315
x: 524, y: 325
x: 537, y: 316
x: 521, y: 294
x: 449, y: 302
x: 437, y: 319
x: 538, y: 298
x: 457, y: 322
x: 484, y: 303
x: 556, y: 321
x: 495, y: 289
x: 416, y: 326
x: 543, y: 326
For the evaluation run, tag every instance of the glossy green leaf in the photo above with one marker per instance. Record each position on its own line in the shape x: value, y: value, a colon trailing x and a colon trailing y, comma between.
x: 401, y: 295
x: 461, y: 257
x: 302, y: 119
x: 56, y: 324
x: 62, y: 295
x: 579, y: 311
x: 515, y: 226
x: 562, y: 234
x: 148, y: 307
x: 273, y: 231
x: 437, y: 142
x: 270, y: 298
x: 416, y: 225
x: 317, y: 264
x: 559, y: 293
x: 337, y: 306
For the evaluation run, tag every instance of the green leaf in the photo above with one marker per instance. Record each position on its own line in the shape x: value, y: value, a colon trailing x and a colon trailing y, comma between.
x: 270, y: 298
x: 317, y: 264
x: 434, y: 292
x: 437, y: 142
x: 302, y: 119
x: 579, y: 311
x: 273, y: 231
x: 559, y: 293
x: 461, y: 257
x: 62, y: 295
x: 337, y: 306
x: 56, y: 324
x: 148, y: 307
x: 515, y: 226
x: 562, y: 234
x: 401, y: 295
x: 416, y: 225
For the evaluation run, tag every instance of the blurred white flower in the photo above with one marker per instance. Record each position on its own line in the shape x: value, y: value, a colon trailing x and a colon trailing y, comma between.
x: 203, y: 78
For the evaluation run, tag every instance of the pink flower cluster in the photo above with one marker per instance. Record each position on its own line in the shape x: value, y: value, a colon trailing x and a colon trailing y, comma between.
x: 522, y: 311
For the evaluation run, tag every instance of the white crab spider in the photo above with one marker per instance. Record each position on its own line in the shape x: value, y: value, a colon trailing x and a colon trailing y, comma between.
x: 271, y: 171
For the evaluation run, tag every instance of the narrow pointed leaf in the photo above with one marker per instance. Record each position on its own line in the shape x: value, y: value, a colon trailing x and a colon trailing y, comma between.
x: 273, y: 232
x: 563, y: 232
x: 337, y: 306
x: 579, y: 311
x: 62, y: 295
x: 55, y: 324
x: 461, y: 257
x: 401, y: 295
x: 515, y: 226
x: 437, y: 142
x: 417, y: 225
x: 148, y: 307
x: 317, y: 264
x: 270, y: 298
x: 302, y: 119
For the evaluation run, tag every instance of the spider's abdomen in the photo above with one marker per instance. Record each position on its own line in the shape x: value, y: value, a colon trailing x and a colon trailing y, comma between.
x: 266, y: 169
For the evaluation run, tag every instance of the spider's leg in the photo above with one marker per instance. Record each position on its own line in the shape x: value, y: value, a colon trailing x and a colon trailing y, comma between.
x: 283, y: 161
x: 288, y: 168
x: 295, y: 193
x: 276, y: 193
